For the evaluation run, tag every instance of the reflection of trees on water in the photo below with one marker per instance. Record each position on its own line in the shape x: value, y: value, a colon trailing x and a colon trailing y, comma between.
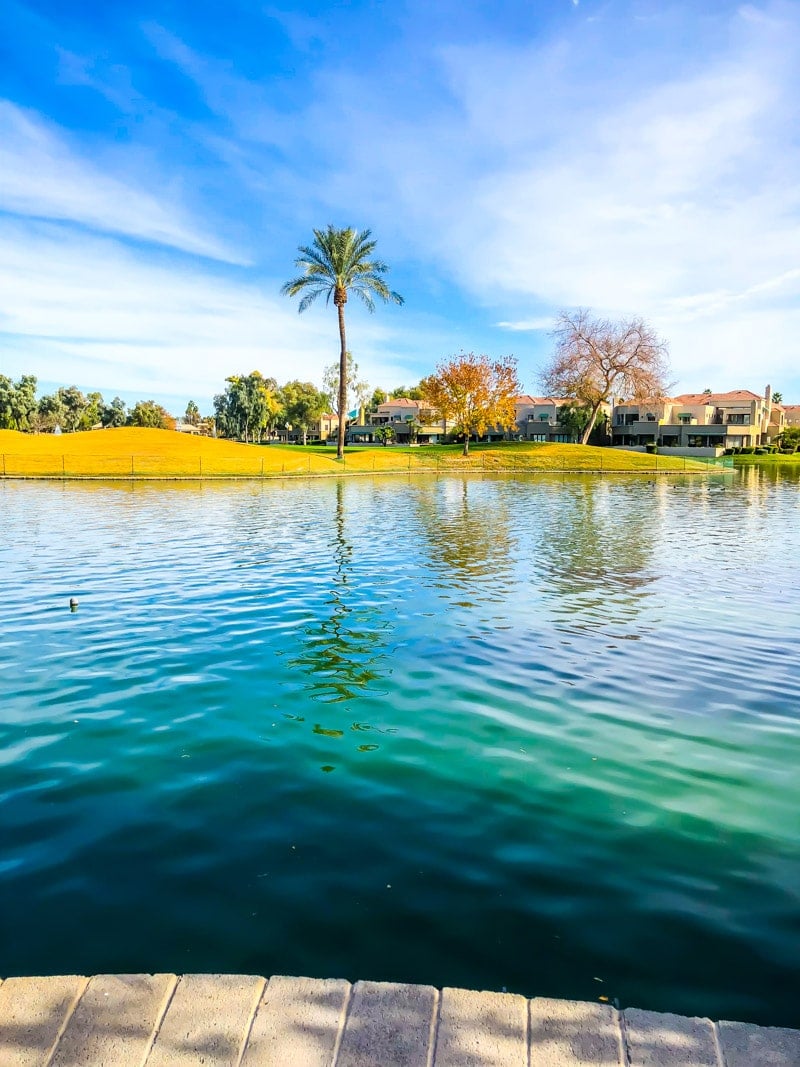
x: 595, y: 546
x: 467, y: 536
x: 343, y: 650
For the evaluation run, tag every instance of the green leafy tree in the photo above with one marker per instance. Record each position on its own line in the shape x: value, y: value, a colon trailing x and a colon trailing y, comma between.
x: 338, y: 263
x: 92, y: 412
x: 302, y: 405
x: 572, y: 418
x: 248, y: 408
x: 790, y: 437
x: 115, y: 413
x: 50, y: 412
x: 25, y: 401
x: 356, y: 389
x: 192, y: 414
x: 151, y: 415
x: 18, y: 407
x: 7, y: 389
x: 74, y: 403
x: 402, y: 393
x: 384, y: 434
x: 378, y: 397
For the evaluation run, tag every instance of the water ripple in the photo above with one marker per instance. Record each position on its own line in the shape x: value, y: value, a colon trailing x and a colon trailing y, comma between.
x: 426, y: 730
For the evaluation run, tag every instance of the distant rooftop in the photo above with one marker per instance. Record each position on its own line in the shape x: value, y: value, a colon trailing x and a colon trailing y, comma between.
x: 735, y: 396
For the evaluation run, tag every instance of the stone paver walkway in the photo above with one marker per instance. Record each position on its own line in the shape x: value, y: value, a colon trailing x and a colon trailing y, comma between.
x: 243, y: 1021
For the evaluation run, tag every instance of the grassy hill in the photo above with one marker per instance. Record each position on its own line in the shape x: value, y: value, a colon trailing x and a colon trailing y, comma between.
x: 131, y: 452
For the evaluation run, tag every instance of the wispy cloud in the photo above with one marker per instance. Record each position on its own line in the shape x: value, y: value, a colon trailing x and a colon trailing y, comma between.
x: 121, y: 320
x: 632, y: 164
x: 42, y: 176
x: 527, y: 325
x: 543, y: 181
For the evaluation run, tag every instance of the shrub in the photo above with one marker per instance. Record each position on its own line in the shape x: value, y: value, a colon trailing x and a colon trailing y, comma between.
x: 761, y: 451
x: 651, y: 448
x: 747, y: 450
x: 788, y: 451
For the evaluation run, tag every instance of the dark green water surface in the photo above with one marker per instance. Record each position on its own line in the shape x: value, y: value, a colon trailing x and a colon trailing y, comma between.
x: 535, y: 734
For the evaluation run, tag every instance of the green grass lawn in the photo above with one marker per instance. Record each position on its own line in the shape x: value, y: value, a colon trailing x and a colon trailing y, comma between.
x: 767, y: 461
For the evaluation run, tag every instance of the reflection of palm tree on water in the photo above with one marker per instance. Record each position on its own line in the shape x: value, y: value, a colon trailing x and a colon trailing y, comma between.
x: 344, y: 649
x: 343, y: 653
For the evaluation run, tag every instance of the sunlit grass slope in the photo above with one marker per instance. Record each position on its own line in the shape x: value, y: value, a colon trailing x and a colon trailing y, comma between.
x: 142, y: 453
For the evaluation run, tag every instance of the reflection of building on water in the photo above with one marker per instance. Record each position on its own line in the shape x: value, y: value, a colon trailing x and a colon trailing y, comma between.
x: 343, y: 651
x: 595, y: 542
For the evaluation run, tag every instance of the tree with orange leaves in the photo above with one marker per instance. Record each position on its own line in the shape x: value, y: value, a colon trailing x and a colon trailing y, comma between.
x: 475, y: 393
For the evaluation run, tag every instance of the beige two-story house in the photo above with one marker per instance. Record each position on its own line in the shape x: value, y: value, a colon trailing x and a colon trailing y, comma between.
x: 709, y: 421
x: 537, y: 417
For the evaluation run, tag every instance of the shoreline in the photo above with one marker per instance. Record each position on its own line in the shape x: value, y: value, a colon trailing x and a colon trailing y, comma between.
x: 322, y: 476
x: 162, y: 1020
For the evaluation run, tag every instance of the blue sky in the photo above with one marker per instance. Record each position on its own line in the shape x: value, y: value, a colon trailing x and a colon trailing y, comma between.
x: 160, y: 163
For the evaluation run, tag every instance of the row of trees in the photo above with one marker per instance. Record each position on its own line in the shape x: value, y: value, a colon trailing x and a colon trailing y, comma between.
x: 253, y: 407
x: 68, y: 409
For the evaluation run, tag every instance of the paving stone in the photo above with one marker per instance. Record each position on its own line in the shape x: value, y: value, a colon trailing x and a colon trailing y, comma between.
x: 298, y: 1022
x: 388, y: 1025
x: 33, y: 1012
x: 207, y: 1021
x: 664, y: 1040
x: 114, y: 1021
x: 757, y: 1046
x: 571, y: 1033
x: 481, y: 1030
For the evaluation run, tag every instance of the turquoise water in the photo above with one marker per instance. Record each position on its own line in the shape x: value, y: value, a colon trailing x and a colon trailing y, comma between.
x: 535, y: 734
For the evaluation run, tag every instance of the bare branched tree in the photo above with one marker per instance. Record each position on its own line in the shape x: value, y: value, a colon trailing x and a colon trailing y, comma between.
x: 596, y: 359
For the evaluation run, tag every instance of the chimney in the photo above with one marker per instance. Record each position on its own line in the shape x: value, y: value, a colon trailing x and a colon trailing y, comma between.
x: 768, y: 395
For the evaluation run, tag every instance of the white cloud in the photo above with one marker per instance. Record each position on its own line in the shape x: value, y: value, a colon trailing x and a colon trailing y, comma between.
x: 527, y: 325
x: 42, y: 176
x: 87, y: 309
x: 568, y: 173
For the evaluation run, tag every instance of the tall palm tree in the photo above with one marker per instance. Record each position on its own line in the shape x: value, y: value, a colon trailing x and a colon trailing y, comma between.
x: 337, y: 263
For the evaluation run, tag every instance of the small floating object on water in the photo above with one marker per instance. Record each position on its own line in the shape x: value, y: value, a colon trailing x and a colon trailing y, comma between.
x: 73, y: 604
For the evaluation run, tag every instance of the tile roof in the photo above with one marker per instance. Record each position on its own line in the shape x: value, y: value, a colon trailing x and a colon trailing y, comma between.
x: 401, y: 402
x: 735, y: 396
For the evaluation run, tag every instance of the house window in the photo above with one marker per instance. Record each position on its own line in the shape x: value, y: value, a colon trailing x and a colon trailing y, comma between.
x: 538, y: 437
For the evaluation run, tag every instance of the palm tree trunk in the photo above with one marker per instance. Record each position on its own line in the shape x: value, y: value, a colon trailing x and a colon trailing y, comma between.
x: 342, y: 382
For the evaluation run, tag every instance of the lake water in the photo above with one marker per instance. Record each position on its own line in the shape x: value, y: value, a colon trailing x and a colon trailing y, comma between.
x: 536, y: 734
